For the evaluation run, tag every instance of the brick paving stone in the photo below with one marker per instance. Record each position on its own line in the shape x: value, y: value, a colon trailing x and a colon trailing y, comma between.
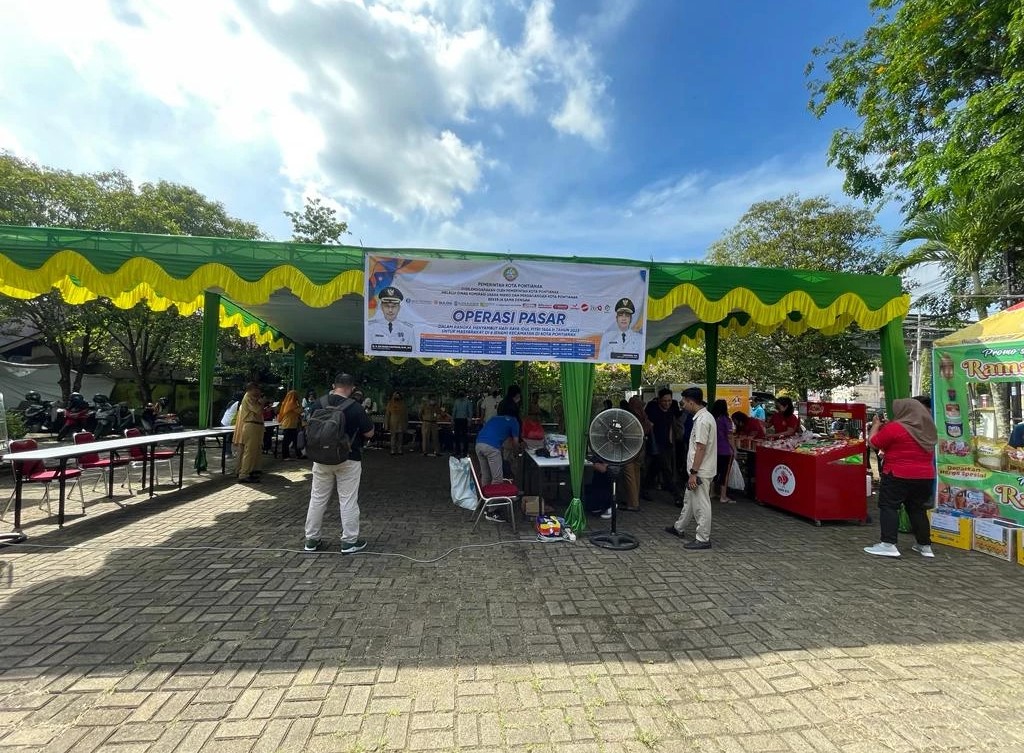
x: 785, y: 637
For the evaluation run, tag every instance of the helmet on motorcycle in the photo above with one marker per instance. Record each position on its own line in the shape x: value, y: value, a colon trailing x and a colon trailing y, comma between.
x: 164, y: 401
x: 76, y: 399
x: 33, y: 397
x: 100, y: 399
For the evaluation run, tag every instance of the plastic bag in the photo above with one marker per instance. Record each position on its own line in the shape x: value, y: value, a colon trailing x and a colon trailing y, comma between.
x: 735, y: 480
x: 463, y: 488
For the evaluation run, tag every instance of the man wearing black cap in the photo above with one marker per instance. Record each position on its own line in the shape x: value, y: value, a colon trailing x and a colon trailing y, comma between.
x: 343, y: 476
x: 622, y: 342
x: 385, y: 332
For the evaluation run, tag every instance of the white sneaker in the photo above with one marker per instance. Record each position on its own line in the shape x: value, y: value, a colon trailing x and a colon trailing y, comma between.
x: 607, y: 514
x: 883, y: 550
x: 925, y: 550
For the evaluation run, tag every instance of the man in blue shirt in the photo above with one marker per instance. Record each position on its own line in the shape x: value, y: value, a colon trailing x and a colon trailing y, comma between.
x: 489, y: 441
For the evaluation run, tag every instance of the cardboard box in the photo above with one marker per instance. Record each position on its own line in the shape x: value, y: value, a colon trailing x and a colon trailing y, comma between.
x: 951, y: 530
x: 996, y: 538
x: 531, y: 505
x: 1020, y: 547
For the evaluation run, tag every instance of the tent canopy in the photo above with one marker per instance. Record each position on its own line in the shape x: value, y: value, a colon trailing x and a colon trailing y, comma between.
x: 1007, y: 324
x: 291, y: 292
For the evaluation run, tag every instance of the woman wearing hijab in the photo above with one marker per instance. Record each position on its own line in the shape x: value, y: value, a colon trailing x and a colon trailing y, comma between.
x: 908, y: 478
x: 289, y: 415
x: 396, y: 421
x: 249, y: 433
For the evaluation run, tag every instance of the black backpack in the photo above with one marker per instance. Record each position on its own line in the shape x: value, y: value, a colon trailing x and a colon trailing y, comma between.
x: 327, y: 441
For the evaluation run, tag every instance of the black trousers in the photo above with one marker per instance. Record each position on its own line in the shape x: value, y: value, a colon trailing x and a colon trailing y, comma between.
x: 461, y: 427
x: 915, y: 494
x: 659, y: 466
x: 289, y: 438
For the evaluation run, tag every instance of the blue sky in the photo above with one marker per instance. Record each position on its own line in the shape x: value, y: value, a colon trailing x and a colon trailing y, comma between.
x: 628, y: 128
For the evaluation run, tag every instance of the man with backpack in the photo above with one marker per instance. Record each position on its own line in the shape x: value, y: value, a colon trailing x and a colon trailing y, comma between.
x: 335, y: 433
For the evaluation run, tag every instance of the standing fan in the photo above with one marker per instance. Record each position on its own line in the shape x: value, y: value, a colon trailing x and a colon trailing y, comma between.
x: 616, y: 437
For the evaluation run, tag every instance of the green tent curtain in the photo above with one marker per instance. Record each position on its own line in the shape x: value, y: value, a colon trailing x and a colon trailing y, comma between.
x: 577, y: 399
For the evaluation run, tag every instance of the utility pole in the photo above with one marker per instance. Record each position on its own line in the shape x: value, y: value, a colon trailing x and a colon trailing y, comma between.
x: 917, y: 361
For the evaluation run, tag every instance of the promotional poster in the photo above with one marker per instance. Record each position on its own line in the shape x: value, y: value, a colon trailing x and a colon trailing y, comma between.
x: 507, y: 309
x: 981, y: 470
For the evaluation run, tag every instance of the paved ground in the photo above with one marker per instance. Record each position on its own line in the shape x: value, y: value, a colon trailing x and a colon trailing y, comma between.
x: 189, y: 623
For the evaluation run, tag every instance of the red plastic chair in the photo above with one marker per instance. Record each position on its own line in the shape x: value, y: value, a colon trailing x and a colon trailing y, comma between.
x: 494, y: 497
x: 100, y: 467
x: 36, y: 472
x: 138, y: 456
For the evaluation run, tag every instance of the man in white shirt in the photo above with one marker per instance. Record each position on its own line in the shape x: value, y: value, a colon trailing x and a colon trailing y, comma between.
x: 702, y: 465
x: 488, y: 406
x: 385, y: 333
x: 622, y: 342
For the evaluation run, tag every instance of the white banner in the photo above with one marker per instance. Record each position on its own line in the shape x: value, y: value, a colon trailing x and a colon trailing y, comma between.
x: 504, y: 310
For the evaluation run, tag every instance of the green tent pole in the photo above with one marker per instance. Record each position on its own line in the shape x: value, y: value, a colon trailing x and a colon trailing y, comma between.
x: 208, y: 356
x: 711, y: 360
x: 636, y: 376
x: 577, y: 398
x: 895, y: 366
x: 508, y: 375
x: 298, y: 367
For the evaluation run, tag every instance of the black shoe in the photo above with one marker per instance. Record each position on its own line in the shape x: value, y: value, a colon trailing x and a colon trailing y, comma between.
x: 250, y: 480
x: 622, y: 508
x: 672, y: 530
x: 697, y: 544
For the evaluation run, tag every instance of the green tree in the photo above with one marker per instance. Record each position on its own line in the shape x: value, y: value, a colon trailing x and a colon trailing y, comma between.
x: 937, y: 86
x: 34, y: 195
x: 795, y: 233
x: 75, y: 334
x: 317, y: 223
x: 152, y: 342
x: 964, y: 238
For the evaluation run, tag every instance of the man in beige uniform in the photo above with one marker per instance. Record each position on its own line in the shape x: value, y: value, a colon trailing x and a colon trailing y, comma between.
x: 702, y: 465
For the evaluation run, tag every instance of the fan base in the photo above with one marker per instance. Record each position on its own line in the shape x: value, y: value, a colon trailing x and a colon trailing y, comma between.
x: 614, y: 540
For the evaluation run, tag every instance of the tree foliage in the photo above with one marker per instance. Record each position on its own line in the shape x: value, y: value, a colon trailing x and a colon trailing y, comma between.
x: 77, y: 335
x: 937, y: 86
x: 317, y: 223
x: 964, y: 237
x: 144, y: 341
x: 795, y: 233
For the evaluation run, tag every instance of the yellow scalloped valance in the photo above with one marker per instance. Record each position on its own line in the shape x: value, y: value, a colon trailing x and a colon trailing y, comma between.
x: 848, y: 307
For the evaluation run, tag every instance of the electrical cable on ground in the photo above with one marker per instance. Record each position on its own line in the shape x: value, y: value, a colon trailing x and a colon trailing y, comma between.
x: 16, y: 546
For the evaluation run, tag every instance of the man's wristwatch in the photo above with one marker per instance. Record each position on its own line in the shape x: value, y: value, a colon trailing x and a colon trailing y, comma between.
x: 693, y: 472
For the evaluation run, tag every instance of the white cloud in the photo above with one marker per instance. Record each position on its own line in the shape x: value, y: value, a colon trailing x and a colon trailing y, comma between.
x: 671, y: 219
x: 371, y: 102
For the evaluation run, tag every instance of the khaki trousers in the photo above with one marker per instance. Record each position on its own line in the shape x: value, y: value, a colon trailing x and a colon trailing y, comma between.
x: 252, y: 450
x: 697, y: 506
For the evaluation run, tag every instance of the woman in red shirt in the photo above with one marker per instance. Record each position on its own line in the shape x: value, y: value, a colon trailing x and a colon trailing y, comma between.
x: 784, y: 420
x: 908, y: 477
x: 748, y: 426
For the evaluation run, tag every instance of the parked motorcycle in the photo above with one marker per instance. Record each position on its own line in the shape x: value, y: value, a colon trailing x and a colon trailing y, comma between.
x: 156, y: 419
x: 78, y: 416
x: 36, y: 412
x: 112, y: 418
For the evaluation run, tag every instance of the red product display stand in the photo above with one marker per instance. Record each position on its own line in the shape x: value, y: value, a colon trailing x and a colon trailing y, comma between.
x: 814, y: 486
